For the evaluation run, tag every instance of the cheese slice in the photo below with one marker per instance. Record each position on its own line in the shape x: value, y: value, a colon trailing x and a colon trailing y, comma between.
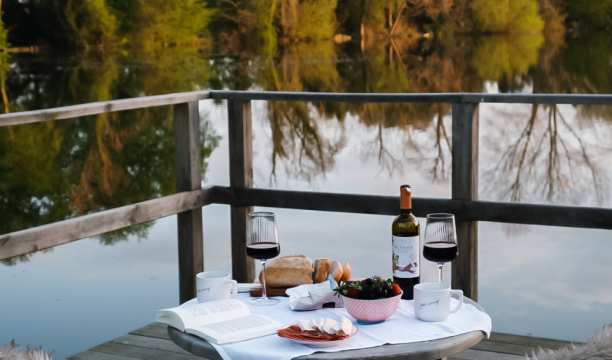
x: 329, y: 326
x: 321, y: 324
x: 305, y: 325
x: 344, y: 327
x: 317, y: 324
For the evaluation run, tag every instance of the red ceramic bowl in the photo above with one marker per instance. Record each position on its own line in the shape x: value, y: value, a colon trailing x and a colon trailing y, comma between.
x: 371, y: 311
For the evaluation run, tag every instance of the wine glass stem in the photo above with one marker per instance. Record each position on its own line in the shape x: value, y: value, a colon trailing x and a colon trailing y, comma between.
x: 440, y: 272
x: 263, y: 278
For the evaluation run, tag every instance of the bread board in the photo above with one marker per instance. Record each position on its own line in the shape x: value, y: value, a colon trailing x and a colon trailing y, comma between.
x: 270, y: 291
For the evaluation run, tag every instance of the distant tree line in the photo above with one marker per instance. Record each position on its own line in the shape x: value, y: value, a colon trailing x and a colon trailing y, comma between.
x: 153, y: 23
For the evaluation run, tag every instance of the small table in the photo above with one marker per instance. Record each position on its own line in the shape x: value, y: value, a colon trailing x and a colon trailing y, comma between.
x: 435, y: 349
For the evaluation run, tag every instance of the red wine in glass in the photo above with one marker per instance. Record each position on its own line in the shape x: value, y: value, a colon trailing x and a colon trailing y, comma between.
x: 440, y: 240
x: 440, y: 252
x: 263, y: 250
x: 262, y: 244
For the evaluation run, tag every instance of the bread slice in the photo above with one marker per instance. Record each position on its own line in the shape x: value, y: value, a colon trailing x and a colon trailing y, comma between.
x: 288, y: 271
x: 321, y: 270
x: 336, y: 271
x: 346, y: 275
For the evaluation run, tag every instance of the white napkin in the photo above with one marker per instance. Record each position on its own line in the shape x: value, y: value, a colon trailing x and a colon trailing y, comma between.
x: 313, y: 296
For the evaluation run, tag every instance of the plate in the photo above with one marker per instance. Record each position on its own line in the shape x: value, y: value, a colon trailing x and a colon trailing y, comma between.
x: 323, y: 343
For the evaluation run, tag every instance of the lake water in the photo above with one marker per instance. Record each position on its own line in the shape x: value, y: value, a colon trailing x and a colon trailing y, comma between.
x: 533, y: 280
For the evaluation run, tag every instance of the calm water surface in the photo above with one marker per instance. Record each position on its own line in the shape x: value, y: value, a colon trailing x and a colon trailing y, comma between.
x: 533, y: 280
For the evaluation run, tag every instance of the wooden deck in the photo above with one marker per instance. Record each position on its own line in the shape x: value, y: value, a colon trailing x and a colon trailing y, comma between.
x: 152, y: 343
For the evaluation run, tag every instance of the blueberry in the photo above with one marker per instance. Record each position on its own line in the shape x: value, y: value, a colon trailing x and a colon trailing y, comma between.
x: 378, y: 290
x: 384, y: 293
x: 369, y: 281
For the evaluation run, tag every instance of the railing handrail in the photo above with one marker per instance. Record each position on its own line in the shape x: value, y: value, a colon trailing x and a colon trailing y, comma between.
x: 74, y: 111
x: 100, y: 107
x: 509, y: 98
x: 66, y: 231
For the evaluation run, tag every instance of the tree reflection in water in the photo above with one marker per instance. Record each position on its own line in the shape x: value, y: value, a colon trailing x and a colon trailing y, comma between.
x: 547, y: 162
x: 60, y: 169
x: 555, y: 159
x: 57, y: 170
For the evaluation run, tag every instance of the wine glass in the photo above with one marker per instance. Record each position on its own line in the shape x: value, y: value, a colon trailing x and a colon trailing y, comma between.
x: 262, y: 244
x: 440, y: 240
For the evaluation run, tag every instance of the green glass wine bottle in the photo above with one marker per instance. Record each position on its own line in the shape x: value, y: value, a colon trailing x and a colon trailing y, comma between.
x: 406, y: 246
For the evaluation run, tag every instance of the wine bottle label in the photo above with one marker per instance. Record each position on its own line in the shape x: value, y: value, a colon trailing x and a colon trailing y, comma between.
x: 406, y: 256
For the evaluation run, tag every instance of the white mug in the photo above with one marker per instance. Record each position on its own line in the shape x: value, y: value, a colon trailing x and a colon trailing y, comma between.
x: 432, y: 301
x: 215, y: 285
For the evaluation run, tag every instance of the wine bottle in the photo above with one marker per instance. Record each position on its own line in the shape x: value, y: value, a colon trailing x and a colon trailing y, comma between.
x: 406, y: 247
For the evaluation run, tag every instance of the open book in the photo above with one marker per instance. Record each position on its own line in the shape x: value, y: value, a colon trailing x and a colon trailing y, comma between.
x: 220, y: 322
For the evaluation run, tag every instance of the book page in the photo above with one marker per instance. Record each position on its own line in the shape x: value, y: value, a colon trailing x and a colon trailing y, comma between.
x: 238, y: 329
x: 204, y: 313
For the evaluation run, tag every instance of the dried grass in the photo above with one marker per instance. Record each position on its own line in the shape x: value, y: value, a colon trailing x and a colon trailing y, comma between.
x: 12, y: 352
x: 599, y: 347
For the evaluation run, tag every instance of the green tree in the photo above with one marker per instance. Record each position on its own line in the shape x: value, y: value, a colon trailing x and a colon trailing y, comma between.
x: 590, y: 13
x: 245, y: 25
x: 309, y: 19
x: 506, y: 57
x: 375, y: 13
x: 161, y: 22
x: 89, y: 23
x: 506, y: 16
x: 74, y: 23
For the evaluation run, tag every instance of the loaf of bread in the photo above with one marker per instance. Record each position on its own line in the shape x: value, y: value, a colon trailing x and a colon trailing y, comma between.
x: 288, y: 271
x: 336, y: 271
x: 321, y: 270
x: 346, y: 274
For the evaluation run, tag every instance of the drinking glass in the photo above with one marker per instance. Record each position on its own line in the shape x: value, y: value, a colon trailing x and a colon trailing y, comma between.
x: 440, y: 240
x: 262, y: 244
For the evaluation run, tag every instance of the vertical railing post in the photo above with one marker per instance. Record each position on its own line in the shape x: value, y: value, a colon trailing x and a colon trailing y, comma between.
x: 188, y: 178
x: 465, y: 187
x: 241, y: 175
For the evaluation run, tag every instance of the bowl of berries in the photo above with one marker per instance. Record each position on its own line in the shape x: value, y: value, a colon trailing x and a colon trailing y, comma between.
x: 370, y: 301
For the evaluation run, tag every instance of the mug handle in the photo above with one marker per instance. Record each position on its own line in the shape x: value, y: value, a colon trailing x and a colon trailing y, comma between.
x: 460, y: 293
x: 234, y: 288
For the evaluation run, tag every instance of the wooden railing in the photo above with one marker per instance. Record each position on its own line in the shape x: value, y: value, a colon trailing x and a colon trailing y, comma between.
x: 240, y: 195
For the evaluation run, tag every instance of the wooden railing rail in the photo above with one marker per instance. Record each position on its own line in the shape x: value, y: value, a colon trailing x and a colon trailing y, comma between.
x: 464, y: 210
x: 189, y: 200
x: 74, y: 111
x: 62, y: 232
x: 68, y: 112
x: 572, y: 99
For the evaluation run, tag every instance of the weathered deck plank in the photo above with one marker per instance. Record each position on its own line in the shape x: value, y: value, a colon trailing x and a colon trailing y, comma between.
x: 92, y: 355
x: 137, y: 352
x: 504, y: 348
x: 528, y: 341
x: 152, y: 342
x: 470, y: 354
x: 155, y: 330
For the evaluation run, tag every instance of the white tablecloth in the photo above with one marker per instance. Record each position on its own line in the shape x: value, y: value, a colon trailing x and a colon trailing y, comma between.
x: 401, y: 327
